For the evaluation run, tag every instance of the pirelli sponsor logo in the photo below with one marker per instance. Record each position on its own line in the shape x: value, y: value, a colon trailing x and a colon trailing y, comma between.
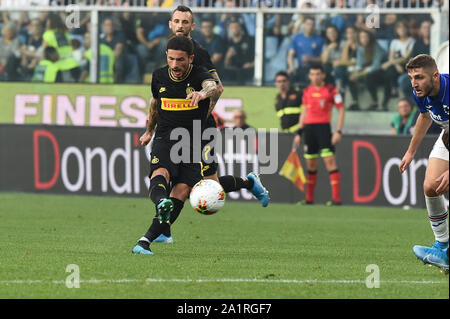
x: 177, y: 104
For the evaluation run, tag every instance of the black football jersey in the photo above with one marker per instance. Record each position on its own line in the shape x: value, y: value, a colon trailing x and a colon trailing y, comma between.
x: 202, y: 57
x: 174, y: 110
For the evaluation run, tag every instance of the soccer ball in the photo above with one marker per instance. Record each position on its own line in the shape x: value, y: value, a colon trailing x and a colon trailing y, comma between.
x: 207, y: 197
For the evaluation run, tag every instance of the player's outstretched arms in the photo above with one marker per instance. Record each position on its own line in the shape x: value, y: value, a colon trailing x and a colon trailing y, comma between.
x: 443, y: 183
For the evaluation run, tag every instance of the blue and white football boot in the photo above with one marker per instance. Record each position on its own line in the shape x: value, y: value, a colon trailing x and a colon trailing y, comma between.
x: 140, y: 249
x: 258, y: 190
x: 163, y: 239
x: 435, y: 255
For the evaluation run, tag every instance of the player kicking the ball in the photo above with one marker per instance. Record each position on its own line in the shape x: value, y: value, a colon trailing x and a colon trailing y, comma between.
x: 181, y: 24
x: 431, y: 91
x: 181, y: 93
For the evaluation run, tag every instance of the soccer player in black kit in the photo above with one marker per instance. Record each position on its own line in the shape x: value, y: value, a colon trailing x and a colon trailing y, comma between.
x: 181, y: 24
x: 181, y: 93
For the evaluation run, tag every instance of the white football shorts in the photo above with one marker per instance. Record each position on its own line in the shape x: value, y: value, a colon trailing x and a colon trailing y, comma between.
x: 439, y: 150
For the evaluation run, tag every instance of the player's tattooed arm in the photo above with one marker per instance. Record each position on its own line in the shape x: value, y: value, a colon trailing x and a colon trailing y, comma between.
x: 213, y: 99
x: 152, y: 115
x: 150, y: 123
x: 209, y: 89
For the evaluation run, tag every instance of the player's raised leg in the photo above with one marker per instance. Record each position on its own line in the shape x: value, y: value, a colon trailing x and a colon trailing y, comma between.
x: 252, y: 183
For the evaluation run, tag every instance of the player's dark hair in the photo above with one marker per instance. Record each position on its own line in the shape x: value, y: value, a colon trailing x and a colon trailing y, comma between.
x: 421, y: 61
x: 182, y: 8
x: 317, y: 66
x: 282, y: 73
x: 181, y: 43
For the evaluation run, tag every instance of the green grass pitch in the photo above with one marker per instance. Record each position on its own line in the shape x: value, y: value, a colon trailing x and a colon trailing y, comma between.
x: 244, y: 251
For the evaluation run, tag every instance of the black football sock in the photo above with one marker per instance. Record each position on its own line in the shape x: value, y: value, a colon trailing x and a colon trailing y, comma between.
x: 164, y: 228
x: 177, y: 207
x: 231, y: 183
x: 156, y: 229
x: 158, y: 189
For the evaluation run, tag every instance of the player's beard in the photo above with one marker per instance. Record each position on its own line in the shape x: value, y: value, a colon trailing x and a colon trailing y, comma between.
x: 186, y: 34
x: 430, y: 89
x: 181, y: 73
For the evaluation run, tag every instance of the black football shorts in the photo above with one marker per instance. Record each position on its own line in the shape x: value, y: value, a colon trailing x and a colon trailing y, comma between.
x: 317, y: 141
x: 186, y: 173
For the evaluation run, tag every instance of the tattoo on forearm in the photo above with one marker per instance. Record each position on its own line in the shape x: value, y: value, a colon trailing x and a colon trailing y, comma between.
x: 209, y: 88
x: 152, y: 115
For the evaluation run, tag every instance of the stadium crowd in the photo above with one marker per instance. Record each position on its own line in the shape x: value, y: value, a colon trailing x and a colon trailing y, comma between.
x: 356, y: 56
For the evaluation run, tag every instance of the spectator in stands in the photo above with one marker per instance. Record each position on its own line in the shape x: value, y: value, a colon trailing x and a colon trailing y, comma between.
x: 306, y: 47
x: 422, y: 45
x: 240, y: 120
x: 57, y: 36
x: 127, y: 23
x: 369, y: 57
x: 116, y: 41
x: 404, y: 121
x: 399, y: 53
x: 332, y: 52
x: 47, y: 70
x: 106, y: 62
x: 212, y: 43
x: 346, y: 64
x: 31, y: 50
x: 288, y: 103
x: 387, y: 25
x: 227, y: 17
x: 298, y: 20
x: 239, y: 61
x: 151, y: 31
x: 341, y: 21
x: 77, y: 51
x: 9, y: 52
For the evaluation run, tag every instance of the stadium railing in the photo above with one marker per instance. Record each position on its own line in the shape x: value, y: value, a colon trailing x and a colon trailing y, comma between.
x: 438, y: 9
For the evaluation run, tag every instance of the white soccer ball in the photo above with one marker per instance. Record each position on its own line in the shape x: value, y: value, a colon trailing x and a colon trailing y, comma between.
x: 207, y: 197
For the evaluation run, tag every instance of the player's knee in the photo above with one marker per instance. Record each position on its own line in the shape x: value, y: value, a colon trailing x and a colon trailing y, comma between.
x: 161, y: 171
x: 180, y: 192
x: 429, y: 188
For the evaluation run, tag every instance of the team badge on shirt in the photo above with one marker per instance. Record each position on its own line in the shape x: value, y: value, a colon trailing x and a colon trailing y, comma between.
x: 189, y: 89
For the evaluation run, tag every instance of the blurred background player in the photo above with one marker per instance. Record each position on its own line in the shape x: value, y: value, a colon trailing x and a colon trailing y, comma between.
x: 431, y: 91
x: 314, y: 123
x: 182, y: 23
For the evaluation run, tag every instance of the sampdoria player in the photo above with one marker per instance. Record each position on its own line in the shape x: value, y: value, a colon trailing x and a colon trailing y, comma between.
x: 431, y: 91
x: 175, y: 110
x: 182, y: 23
